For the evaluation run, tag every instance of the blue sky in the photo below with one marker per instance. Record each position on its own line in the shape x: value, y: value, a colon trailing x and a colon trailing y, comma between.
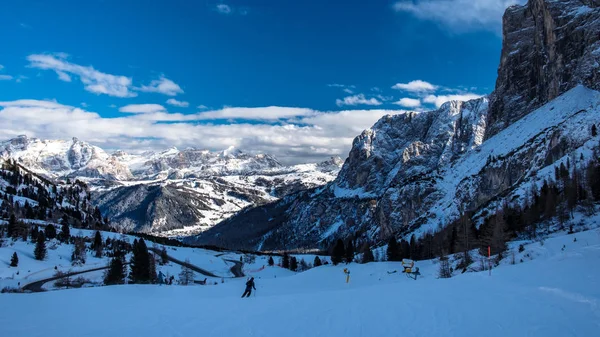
x: 202, y: 66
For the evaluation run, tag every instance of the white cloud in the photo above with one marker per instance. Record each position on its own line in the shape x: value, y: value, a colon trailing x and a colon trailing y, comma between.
x: 223, y: 9
x: 94, y: 81
x: 349, y: 89
x: 295, y: 134
x: 30, y: 103
x: 63, y: 76
x: 359, y: 99
x: 20, y: 78
x: 439, y: 100
x: 162, y: 85
x: 5, y: 77
x: 142, y: 108
x: 174, y: 102
x: 84, y: 104
x: 409, y: 102
x: 459, y: 15
x: 1, y: 67
x: 202, y: 107
x: 417, y: 86
x: 264, y: 113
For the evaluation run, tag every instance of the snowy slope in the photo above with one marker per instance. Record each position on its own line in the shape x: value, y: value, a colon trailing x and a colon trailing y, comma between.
x: 536, y: 298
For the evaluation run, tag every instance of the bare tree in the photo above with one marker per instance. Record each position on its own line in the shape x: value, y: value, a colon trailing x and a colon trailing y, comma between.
x: 186, y: 276
x: 445, y: 270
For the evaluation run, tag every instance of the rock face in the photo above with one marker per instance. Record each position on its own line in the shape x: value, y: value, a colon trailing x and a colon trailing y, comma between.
x: 549, y: 46
x: 415, y: 172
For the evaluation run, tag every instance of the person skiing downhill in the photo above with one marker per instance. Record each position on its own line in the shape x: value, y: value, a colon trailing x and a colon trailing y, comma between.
x: 249, y: 287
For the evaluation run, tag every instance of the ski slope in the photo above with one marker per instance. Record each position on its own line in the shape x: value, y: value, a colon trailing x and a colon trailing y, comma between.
x: 555, y: 294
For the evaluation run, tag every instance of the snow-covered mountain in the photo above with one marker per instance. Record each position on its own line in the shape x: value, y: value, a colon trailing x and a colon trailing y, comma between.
x: 59, y: 158
x: 199, y: 201
x: 170, y: 192
x: 416, y: 172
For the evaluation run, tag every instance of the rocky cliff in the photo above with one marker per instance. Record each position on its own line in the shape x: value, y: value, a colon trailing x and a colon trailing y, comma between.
x: 549, y: 46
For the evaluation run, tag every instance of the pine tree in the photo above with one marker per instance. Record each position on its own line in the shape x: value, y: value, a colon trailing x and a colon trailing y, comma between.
x: 98, y: 245
x: 493, y: 235
x: 14, y: 260
x: 34, y: 234
x: 40, y: 247
x: 50, y: 231
x: 116, y: 273
x: 11, y: 228
x: 65, y: 233
x: 140, y: 263
x: 293, y: 263
x: 593, y: 179
x: 285, y: 261
x: 317, y: 262
x: 164, y: 257
x: 339, y: 251
x: 393, y: 252
x: 453, y: 240
x: 303, y: 265
x: 271, y: 261
x: 349, y: 254
x: 97, y: 240
x: 413, y: 247
x: 367, y: 254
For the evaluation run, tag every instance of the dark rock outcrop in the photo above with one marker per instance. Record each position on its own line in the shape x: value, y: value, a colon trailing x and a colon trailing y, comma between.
x: 548, y: 47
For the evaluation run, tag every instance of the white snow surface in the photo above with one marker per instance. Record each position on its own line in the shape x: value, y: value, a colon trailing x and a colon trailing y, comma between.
x: 555, y: 294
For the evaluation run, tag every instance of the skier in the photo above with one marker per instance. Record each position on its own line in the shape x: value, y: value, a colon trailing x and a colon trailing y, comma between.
x: 161, y: 278
x: 249, y: 287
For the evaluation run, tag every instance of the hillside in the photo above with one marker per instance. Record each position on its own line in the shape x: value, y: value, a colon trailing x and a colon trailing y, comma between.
x: 32, y: 198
